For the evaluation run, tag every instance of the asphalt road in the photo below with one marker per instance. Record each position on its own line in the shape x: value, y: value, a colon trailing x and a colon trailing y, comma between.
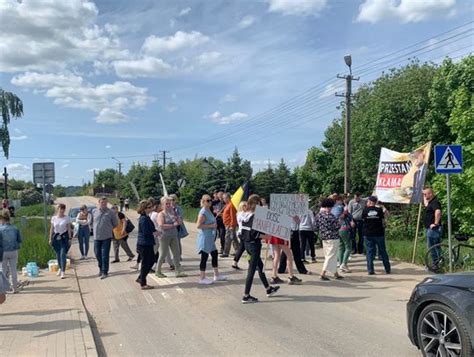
x: 359, y: 316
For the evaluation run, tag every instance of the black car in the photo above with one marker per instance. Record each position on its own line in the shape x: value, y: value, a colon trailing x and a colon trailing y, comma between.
x: 440, y: 315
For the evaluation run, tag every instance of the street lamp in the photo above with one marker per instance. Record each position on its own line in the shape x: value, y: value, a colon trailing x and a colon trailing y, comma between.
x: 119, y: 174
x: 348, y: 60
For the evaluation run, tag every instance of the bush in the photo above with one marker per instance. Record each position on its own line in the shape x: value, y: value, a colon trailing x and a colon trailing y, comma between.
x: 34, y: 247
x: 29, y: 197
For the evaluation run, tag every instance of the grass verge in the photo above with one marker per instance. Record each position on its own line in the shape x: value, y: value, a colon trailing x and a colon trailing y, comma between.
x: 34, y: 210
x: 190, y: 214
x: 34, y: 247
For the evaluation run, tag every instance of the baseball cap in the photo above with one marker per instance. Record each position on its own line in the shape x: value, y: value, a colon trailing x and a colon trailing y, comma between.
x: 373, y: 198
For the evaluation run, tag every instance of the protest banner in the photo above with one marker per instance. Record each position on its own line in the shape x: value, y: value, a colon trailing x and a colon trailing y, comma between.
x: 273, y: 223
x: 289, y: 204
x: 401, y: 176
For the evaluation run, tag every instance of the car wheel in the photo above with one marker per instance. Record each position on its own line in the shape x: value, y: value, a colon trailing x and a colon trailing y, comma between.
x: 441, y: 332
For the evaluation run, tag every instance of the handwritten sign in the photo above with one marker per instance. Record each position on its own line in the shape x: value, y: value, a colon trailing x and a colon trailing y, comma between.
x: 289, y: 204
x: 273, y: 223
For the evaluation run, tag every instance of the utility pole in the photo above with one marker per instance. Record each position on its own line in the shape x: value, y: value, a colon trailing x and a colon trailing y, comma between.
x: 347, y: 127
x: 164, y: 158
x: 119, y: 163
x: 5, y: 182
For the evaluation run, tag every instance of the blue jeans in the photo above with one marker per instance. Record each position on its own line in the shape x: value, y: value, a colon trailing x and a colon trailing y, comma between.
x: 83, y: 236
x: 370, y: 244
x: 433, y: 236
x: 102, y: 252
x: 61, y: 247
x: 357, y: 247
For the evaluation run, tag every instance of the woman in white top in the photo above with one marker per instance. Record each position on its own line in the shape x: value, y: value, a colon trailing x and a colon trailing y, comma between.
x: 241, y: 216
x: 59, y: 235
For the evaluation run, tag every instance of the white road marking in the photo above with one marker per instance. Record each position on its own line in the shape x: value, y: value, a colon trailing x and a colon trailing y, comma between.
x: 165, y: 295
x: 149, y: 298
x: 179, y: 290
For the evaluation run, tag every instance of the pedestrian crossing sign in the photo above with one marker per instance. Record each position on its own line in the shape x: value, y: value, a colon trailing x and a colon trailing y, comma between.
x: 448, y: 159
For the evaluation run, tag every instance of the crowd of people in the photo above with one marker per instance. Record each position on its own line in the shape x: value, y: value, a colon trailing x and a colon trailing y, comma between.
x: 344, y: 227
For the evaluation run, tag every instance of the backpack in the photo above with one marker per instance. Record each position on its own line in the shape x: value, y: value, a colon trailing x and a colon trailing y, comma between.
x: 129, y: 227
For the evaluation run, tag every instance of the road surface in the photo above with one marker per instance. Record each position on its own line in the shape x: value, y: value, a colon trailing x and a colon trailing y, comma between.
x: 359, y: 316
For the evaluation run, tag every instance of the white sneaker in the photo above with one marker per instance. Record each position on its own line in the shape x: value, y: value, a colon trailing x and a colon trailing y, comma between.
x: 345, y: 269
x: 62, y: 275
x: 205, y: 281
x: 338, y: 265
x: 59, y: 272
x: 220, y: 278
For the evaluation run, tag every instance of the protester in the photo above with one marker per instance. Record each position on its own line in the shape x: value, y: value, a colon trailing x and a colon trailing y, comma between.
x: 182, y: 231
x: 295, y: 249
x: 121, y: 236
x: 241, y: 216
x: 229, y: 217
x: 4, y: 283
x: 432, y: 223
x: 355, y: 208
x: 345, y: 221
x: 145, y: 242
x: 83, y: 222
x: 206, y: 225
x: 217, y: 207
x: 11, y: 244
x: 59, y: 235
x: 263, y: 202
x: 374, y: 234
x: 168, y: 223
x: 253, y: 246
x: 280, y: 245
x: 104, y: 220
x: 307, y: 236
x: 328, y: 227
x: 126, y: 203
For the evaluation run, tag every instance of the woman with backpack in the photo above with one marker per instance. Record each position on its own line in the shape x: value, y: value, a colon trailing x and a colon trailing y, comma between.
x: 121, y: 235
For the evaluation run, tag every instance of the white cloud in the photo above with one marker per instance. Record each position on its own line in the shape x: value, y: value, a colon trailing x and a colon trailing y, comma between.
x: 171, y: 108
x: 144, y: 67
x: 108, y: 146
x: 51, y: 34
x: 154, y: 45
x: 184, y: 12
x: 46, y: 80
x: 405, y: 10
x: 297, y: 7
x: 16, y: 167
x: 218, y: 118
x: 108, y: 100
x: 247, y: 21
x: 228, y: 98
x: 208, y: 58
x: 96, y: 169
x: 19, y: 137
x: 65, y: 166
x: 331, y: 89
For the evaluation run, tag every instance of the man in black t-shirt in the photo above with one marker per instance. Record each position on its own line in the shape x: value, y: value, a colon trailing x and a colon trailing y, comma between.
x: 374, y: 234
x: 432, y: 223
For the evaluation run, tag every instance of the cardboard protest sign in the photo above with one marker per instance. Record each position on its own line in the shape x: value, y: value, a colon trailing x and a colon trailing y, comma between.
x: 401, y: 176
x: 289, y: 204
x: 273, y: 223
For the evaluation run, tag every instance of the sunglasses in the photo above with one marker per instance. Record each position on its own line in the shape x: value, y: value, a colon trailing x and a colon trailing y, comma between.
x: 208, y: 200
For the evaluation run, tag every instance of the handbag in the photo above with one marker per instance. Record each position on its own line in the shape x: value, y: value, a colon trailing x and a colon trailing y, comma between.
x: 129, y: 227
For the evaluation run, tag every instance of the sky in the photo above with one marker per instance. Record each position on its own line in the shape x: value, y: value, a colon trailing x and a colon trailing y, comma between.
x: 118, y: 80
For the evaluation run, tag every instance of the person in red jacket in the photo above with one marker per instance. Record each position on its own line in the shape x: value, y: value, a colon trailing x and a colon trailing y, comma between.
x: 229, y: 217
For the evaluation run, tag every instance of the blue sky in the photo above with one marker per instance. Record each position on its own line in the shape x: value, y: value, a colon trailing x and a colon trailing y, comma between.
x: 117, y: 78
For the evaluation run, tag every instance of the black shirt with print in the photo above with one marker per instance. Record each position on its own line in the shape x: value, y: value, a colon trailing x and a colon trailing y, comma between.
x: 373, y: 222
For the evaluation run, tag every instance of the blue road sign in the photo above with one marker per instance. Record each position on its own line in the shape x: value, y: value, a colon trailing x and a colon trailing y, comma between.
x: 448, y: 159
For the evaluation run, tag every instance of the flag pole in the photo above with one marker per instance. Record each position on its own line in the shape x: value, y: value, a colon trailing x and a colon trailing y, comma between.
x: 416, y: 233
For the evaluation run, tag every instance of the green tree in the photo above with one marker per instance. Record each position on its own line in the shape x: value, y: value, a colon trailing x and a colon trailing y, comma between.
x: 11, y: 107
x: 107, y: 177
x: 59, y: 191
x: 263, y: 182
x: 237, y: 171
x: 282, y: 182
